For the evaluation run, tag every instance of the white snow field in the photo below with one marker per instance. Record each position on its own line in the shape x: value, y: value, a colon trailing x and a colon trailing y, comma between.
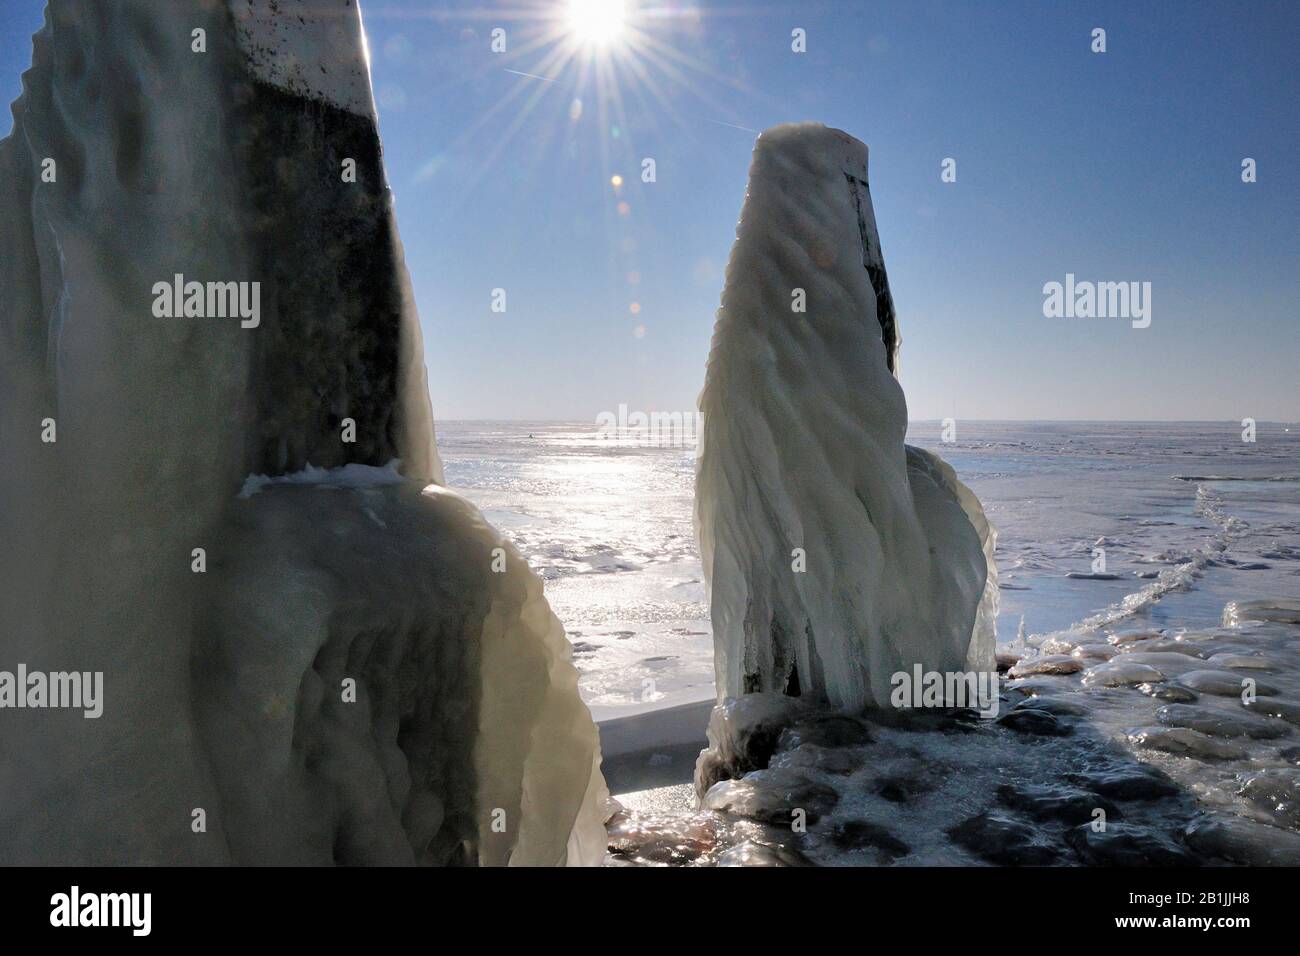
x: 835, y: 554
x: 346, y: 664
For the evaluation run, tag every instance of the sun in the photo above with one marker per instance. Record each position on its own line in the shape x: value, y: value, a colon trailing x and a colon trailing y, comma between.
x: 596, y: 22
x: 605, y: 66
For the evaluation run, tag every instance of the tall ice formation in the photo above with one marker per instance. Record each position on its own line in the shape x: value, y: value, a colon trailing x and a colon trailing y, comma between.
x: 344, y: 662
x: 836, y: 555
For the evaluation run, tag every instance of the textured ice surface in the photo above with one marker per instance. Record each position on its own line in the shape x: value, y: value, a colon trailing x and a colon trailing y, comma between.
x: 224, y: 686
x: 802, y: 448
x: 468, y: 704
x: 1211, y: 781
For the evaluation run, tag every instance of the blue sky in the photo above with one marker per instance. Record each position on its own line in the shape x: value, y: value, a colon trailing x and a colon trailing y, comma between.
x: 1116, y: 166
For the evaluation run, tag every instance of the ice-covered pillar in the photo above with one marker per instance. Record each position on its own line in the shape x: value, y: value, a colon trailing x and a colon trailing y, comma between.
x: 202, y: 279
x: 835, y: 554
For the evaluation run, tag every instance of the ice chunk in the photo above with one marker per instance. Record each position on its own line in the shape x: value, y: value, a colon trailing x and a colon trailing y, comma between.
x: 836, y: 555
x: 467, y: 741
x: 1282, y: 610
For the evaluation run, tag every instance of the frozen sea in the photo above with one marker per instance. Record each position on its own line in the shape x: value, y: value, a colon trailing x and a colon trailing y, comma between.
x: 1189, y: 517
